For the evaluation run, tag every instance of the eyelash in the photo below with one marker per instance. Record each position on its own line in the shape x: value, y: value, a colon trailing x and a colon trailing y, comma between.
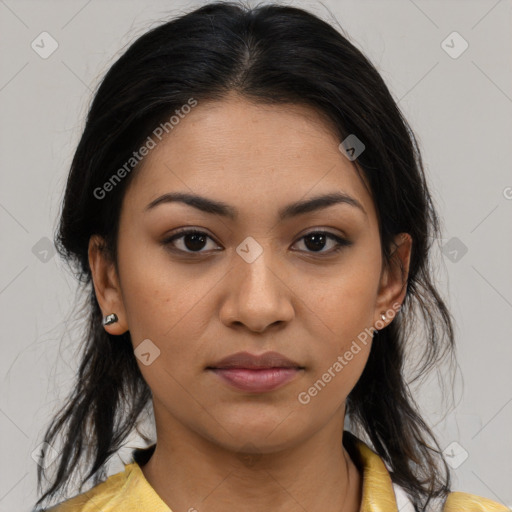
x: 341, y: 242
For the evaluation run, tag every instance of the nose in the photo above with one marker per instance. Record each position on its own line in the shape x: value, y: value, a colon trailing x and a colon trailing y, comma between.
x: 258, y: 296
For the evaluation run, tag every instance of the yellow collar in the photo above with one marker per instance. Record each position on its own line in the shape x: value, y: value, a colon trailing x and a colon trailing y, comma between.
x: 378, y: 494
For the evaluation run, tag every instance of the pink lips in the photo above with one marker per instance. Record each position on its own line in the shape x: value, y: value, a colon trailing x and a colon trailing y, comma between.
x: 256, y: 373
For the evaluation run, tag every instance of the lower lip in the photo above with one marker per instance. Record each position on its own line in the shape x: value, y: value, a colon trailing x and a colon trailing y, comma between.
x: 254, y: 380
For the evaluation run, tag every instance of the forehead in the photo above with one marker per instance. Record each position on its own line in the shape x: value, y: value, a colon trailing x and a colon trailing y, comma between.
x: 245, y: 153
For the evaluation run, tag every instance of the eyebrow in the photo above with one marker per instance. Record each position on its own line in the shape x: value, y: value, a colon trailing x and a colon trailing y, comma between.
x: 292, y: 210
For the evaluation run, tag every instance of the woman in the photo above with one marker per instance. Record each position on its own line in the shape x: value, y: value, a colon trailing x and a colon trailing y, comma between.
x: 249, y: 210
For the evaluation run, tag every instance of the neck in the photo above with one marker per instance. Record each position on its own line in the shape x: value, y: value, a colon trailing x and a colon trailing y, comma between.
x: 191, y: 473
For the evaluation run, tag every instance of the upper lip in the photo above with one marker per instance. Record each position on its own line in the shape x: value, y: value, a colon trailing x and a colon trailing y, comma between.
x: 247, y: 360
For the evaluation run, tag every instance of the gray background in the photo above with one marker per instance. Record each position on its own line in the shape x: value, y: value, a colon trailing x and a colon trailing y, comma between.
x: 460, y: 108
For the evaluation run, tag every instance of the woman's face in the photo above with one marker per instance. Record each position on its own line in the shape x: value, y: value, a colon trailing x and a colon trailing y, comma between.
x: 253, y: 282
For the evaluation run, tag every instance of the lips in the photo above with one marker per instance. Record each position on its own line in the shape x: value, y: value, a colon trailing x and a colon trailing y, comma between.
x: 250, y: 361
x: 256, y: 373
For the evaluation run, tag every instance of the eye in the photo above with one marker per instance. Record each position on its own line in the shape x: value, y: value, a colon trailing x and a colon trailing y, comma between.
x: 192, y: 241
x: 316, y: 240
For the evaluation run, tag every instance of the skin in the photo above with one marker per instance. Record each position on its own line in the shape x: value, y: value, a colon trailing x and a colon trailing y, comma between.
x: 199, y: 308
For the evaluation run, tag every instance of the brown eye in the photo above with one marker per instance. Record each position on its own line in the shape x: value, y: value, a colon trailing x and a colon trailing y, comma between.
x: 193, y: 241
x: 315, y: 241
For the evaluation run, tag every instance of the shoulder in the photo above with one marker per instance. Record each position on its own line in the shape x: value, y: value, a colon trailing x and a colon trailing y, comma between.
x: 455, y: 502
x: 465, y: 502
x: 127, y: 490
x: 100, y: 497
x: 380, y: 492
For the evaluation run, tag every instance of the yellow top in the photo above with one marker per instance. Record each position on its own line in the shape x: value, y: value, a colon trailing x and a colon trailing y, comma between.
x: 129, y: 491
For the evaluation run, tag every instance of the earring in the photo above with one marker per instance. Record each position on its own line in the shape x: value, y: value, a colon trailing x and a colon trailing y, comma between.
x: 383, y: 318
x: 110, y: 319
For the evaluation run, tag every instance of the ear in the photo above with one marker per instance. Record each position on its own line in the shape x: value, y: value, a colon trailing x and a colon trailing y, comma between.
x: 393, y: 282
x: 106, y: 285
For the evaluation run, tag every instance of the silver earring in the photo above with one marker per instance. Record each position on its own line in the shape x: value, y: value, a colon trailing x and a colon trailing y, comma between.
x: 383, y: 318
x: 110, y: 319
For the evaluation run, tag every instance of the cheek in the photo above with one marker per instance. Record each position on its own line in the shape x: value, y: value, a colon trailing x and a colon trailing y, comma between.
x: 328, y: 388
x: 341, y: 353
x: 162, y: 302
x: 169, y: 309
x: 154, y: 292
x: 345, y: 306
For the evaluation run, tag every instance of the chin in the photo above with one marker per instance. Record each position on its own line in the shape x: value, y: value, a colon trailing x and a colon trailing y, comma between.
x: 259, y: 432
